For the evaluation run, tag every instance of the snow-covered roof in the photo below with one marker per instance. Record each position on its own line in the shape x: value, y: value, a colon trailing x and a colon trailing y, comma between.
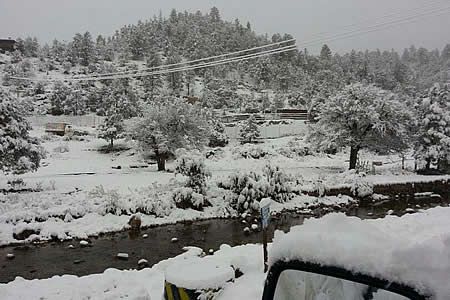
x: 413, y: 249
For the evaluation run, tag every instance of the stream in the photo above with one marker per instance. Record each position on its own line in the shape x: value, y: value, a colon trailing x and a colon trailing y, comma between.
x: 56, y: 258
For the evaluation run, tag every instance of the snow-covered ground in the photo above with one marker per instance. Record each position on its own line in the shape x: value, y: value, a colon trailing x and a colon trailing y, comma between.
x: 84, y: 193
x: 413, y: 249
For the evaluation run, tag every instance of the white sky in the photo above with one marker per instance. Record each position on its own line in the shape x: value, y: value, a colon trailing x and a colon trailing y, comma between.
x: 48, y: 19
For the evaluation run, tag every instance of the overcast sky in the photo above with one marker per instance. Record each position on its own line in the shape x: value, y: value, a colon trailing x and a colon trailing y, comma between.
x: 305, y: 19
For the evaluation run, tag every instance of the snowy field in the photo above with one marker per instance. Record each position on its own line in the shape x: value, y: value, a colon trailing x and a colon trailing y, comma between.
x: 83, y: 192
x: 412, y: 249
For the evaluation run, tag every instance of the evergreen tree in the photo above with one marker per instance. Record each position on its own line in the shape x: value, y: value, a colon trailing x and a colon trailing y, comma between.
x: 217, y: 135
x: 433, y: 133
x: 112, y: 128
x: 19, y: 152
x: 249, y: 132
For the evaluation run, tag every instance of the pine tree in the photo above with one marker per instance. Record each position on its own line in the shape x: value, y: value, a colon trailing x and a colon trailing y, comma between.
x: 19, y: 152
x: 433, y: 139
x: 217, y: 135
x: 112, y: 128
x: 249, y: 132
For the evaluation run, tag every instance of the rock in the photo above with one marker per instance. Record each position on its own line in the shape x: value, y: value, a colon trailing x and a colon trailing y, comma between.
x: 145, y: 236
x: 370, y: 213
x: 174, y: 240
x: 417, y: 206
x: 71, y: 247
x: 122, y: 256
x: 135, y: 222
x: 23, y: 235
x: 410, y: 210
x: 84, y: 243
x: 244, y: 215
x: 211, y: 251
x: 78, y: 261
x: 244, y: 222
x: 390, y: 212
x: 255, y: 227
x: 246, y: 230
x: 10, y: 256
x: 143, y: 263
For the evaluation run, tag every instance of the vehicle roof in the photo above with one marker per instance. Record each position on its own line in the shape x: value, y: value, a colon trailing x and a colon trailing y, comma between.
x: 412, y: 249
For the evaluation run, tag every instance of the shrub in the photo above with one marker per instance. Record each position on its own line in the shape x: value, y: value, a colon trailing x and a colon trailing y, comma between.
x: 295, y: 148
x: 186, y: 197
x: 250, y: 188
x: 217, y: 135
x: 249, y: 132
x: 193, y: 166
x: 250, y: 151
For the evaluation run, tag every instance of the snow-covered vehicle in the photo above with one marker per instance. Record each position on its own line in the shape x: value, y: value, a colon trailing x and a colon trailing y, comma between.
x: 337, y: 257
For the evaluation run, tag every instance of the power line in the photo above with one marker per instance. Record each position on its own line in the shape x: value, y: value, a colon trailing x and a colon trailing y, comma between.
x: 203, y: 59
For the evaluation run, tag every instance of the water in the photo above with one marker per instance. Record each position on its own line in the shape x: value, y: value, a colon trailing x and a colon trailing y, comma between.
x: 56, y: 258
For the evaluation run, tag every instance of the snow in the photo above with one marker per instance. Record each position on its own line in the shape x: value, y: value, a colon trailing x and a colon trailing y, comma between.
x: 199, y: 273
x: 413, y: 249
x: 79, y: 198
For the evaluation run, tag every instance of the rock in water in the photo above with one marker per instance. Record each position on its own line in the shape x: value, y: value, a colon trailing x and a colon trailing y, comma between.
x: 84, y: 243
x: 390, y: 212
x: 71, y: 246
x: 211, y: 251
x: 122, y: 256
x: 174, y: 240
x: 145, y: 236
x: 135, y: 222
x: 247, y: 230
x: 255, y: 227
x: 10, y: 256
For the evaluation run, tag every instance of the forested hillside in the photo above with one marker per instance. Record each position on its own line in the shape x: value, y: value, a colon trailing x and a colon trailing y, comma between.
x: 294, y: 79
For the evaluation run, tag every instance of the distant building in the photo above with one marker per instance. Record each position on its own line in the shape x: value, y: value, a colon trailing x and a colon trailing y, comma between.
x: 7, y: 45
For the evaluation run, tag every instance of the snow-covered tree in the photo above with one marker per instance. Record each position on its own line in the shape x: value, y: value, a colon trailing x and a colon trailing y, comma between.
x: 249, y: 132
x: 359, y: 117
x: 19, y: 152
x: 171, y: 124
x: 217, y: 134
x: 112, y: 128
x: 433, y: 133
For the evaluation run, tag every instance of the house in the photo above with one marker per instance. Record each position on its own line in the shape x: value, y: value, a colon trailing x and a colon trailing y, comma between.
x: 58, y: 128
x: 7, y: 45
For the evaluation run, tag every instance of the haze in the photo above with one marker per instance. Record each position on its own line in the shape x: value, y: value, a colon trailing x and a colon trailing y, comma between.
x: 61, y: 19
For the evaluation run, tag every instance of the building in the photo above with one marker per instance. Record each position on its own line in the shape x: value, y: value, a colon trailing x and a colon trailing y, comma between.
x: 7, y: 45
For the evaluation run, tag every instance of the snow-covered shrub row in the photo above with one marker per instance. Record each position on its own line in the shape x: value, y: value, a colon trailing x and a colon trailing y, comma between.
x: 62, y: 148
x: 295, y: 148
x: 359, y: 185
x: 250, y: 188
x: 250, y: 151
x: 186, y: 197
x: 154, y: 200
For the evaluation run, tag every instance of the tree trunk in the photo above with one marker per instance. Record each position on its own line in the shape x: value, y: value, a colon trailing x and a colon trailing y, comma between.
x: 111, y: 143
x: 428, y: 165
x: 161, y: 163
x: 353, y: 156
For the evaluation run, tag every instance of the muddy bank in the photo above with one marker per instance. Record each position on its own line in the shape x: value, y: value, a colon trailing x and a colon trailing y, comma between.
x: 57, y: 258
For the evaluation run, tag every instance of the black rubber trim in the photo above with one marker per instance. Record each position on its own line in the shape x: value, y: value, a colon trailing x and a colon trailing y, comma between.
x: 337, y: 272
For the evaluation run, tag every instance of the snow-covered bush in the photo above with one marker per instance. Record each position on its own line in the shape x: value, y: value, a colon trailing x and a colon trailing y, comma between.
x: 295, y: 148
x: 193, y: 166
x: 250, y: 188
x: 186, y: 197
x: 250, y: 151
x: 360, y: 186
x: 249, y: 132
x: 217, y: 135
x: 16, y: 183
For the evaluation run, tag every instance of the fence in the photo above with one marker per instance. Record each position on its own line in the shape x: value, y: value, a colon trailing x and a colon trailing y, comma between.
x: 80, y: 121
x: 272, y: 131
